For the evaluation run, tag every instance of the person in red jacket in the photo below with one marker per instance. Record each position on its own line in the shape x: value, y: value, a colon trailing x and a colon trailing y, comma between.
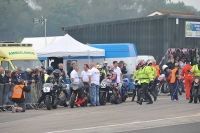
x: 187, y: 77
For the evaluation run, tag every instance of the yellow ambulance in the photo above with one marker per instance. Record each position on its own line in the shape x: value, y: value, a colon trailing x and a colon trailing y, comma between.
x: 13, y: 55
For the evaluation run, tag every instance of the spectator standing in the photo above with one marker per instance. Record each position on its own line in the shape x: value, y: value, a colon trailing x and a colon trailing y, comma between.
x: 102, y: 74
x: 94, y: 79
x: 171, y: 64
x: 105, y: 67
x: 14, y: 77
x: 60, y: 66
x: 29, y: 76
x: 74, y: 74
x: 19, y: 96
x: 1, y: 77
x: 176, y: 59
x: 7, y: 77
x: 42, y: 69
x: 85, y: 74
x: 124, y: 70
x: 71, y: 68
x: 19, y: 73
x: 181, y: 65
x: 117, y: 71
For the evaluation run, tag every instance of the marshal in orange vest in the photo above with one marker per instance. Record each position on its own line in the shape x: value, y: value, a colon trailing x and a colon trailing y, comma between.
x: 173, y: 75
x: 17, y: 91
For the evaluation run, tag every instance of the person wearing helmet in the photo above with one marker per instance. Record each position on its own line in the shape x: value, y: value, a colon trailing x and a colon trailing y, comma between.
x: 151, y: 85
x: 49, y: 71
x: 53, y: 78
x: 145, y: 76
x: 113, y: 77
x: 102, y: 72
x: 196, y: 71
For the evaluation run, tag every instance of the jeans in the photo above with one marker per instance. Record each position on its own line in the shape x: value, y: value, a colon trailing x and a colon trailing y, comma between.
x: 174, y: 91
x: 94, y: 94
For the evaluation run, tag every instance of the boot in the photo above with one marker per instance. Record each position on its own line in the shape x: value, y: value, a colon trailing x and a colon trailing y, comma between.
x: 155, y: 98
x: 191, y: 100
x: 150, y: 102
x: 139, y: 102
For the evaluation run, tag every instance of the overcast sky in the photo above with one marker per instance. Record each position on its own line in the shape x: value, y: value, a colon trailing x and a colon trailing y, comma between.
x: 195, y: 3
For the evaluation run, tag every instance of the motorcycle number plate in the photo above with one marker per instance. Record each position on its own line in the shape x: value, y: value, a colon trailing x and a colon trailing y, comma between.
x: 110, y: 91
x: 103, y: 85
x: 46, y: 89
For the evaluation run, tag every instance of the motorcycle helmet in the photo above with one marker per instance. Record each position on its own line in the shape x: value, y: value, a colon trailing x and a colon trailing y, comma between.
x: 57, y: 73
x: 141, y: 63
x: 149, y: 62
x: 49, y: 70
x: 164, y: 67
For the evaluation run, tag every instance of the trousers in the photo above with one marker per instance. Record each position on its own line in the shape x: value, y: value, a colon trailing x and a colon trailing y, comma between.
x: 188, y: 84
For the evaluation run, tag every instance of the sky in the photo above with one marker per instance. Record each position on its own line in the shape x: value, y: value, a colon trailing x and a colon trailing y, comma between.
x: 195, y: 3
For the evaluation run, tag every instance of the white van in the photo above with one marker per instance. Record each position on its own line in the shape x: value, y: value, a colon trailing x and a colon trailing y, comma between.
x: 145, y: 57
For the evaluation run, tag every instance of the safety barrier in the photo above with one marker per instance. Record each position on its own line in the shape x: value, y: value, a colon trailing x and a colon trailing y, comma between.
x: 34, y: 94
x: 1, y: 94
x: 32, y: 97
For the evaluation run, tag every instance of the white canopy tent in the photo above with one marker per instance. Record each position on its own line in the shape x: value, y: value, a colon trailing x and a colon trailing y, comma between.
x: 68, y: 46
x: 39, y: 42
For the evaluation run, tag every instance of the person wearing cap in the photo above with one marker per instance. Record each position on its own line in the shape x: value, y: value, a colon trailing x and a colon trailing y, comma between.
x: 174, y: 82
x: 188, y: 78
x: 102, y: 72
x: 105, y: 67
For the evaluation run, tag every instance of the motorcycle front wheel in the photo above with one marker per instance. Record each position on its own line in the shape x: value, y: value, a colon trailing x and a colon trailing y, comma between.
x: 158, y: 89
x: 72, y: 100
x: 102, y: 99
x: 48, y: 103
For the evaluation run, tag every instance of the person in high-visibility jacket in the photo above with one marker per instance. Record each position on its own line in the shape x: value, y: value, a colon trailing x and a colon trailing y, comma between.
x: 188, y: 78
x: 145, y: 77
x: 196, y: 71
x: 19, y: 96
x: 49, y: 71
x: 151, y: 86
x: 174, y: 82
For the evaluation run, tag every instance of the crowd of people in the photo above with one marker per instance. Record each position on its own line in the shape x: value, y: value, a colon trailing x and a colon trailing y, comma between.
x: 177, y: 70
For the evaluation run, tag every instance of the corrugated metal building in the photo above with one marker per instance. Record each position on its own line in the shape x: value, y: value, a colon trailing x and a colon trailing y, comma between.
x: 152, y: 35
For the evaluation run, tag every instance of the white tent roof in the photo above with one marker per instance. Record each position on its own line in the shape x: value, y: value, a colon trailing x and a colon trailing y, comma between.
x: 68, y: 46
x: 39, y: 42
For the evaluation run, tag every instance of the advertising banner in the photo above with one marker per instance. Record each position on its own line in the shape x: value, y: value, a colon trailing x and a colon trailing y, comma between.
x: 192, y: 29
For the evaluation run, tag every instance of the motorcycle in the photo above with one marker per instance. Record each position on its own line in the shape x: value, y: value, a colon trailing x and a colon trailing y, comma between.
x: 124, y: 89
x: 114, y: 99
x: 162, y: 86
x: 104, y: 95
x: 79, y: 95
x: 196, y: 91
x: 51, y: 92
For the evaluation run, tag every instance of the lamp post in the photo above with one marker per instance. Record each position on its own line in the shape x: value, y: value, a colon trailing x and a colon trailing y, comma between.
x: 43, y: 22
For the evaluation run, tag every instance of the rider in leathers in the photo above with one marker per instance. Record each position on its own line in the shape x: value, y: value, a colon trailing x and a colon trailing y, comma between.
x: 55, y: 78
x: 113, y: 77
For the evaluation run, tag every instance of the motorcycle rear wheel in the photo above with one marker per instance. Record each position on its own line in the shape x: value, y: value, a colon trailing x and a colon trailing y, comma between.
x: 72, y: 100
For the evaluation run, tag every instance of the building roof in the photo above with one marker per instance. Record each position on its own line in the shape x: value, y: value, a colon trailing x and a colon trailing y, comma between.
x: 164, y: 12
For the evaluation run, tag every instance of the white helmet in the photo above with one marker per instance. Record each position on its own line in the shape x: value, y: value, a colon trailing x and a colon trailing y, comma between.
x: 164, y: 67
x: 149, y: 62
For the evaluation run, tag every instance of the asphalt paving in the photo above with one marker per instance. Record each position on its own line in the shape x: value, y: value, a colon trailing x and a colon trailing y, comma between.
x: 125, y: 117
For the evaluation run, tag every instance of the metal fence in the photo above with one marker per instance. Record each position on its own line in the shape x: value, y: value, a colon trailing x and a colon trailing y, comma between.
x: 32, y: 97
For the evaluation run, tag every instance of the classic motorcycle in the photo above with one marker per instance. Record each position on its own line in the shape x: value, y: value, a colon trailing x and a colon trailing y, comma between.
x: 124, y: 89
x: 52, y: 96
x: 79, y: 95
x: 104, y: 95
x: 196, y: 91
x: 162, y: 86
